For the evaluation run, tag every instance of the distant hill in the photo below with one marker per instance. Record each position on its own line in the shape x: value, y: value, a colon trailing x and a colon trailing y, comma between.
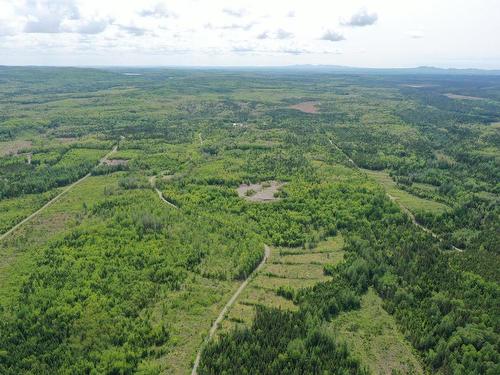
x: 421, y: 70
x: 417, y: 70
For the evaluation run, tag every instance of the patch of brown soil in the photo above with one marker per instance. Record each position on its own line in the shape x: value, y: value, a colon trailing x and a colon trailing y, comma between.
x: 115, y: 162
x: 307, y: 107
x: 261, y: 192
x: 13, y: 147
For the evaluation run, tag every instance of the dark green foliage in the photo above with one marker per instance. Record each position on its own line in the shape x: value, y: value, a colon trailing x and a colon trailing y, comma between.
x: 281, y: 343
x: 47, y: 170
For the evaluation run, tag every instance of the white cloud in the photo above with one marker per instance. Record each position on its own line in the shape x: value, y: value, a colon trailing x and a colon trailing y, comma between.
x: 231, y: 26
x: 159, y: 10
x: 235, y: 12
x: 133, y: 30
x: 361, y: 18
x: 283, y: 34
x: 45, y: 16
x: 248, y: 32
x: 332, y: 36
x: 263, y: 35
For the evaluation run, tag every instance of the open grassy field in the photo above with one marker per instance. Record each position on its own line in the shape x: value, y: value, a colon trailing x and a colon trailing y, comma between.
x: 373, y: 336
x: 292, y: 268
x: 411, y: 202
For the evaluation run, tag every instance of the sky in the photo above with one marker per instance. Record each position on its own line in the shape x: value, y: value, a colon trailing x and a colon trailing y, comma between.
x: 369, y: 33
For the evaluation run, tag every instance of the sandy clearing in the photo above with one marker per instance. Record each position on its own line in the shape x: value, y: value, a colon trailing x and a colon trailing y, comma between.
x: 261, y: 192
x: 116, y: 162
x: 465, y: 97
x: 306, y: 107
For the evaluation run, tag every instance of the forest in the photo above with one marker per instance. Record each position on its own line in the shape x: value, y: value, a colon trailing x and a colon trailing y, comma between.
x: 159, y: 191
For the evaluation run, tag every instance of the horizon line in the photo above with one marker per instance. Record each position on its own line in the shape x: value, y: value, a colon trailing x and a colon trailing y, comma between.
x: 420, y: 67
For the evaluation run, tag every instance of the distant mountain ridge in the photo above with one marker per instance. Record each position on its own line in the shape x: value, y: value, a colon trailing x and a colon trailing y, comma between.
x: 420, y: 70
x: 417, y: 70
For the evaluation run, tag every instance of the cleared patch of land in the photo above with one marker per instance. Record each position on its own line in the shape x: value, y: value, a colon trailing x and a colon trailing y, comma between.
x: 407, y: 200
x: 290, y: 268
x: 261, y: 192
x: 418, y: 86
x: 463, y: 97
x: 374, y: 338
x: 306, y: 107
x: 13, y: 147
x: 115, y: 162
x: 191, y: 311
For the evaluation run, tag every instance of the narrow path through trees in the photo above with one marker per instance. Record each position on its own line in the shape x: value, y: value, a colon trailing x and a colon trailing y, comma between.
x: 152, y: 180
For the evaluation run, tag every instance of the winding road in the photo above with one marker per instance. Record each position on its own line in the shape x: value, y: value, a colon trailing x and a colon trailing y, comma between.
x: 220, y: 318
x: 56, y: 198
x: 160, y: 194
x: 234, y: 297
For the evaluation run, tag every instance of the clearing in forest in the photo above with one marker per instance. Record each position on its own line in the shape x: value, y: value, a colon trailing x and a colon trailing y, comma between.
x: 373, y: 336
x: 306, y: 107
x: 260, y: 192
x: 465, y: 97
x: 286, y: 269
x: 112, y: 162
x: 13, y: 147
x: 407, y: 200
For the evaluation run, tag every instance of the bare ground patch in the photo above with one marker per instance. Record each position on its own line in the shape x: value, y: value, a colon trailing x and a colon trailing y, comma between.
x: 465, y: 97
x: 13, y: 147
x: 419, y: 86
x: 115, y: 162
x: 261, y: 192
x: 307, y: 107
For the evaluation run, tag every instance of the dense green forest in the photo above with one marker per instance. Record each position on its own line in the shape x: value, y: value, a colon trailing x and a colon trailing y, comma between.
x: 111, y: 279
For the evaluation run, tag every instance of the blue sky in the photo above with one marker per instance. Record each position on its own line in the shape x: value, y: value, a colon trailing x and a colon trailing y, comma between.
x: 376, y: 33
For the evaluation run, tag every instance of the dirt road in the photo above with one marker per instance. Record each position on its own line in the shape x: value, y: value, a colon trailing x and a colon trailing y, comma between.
x: 56, y: 198
x: 152, y: 182
x: 220, y: 318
